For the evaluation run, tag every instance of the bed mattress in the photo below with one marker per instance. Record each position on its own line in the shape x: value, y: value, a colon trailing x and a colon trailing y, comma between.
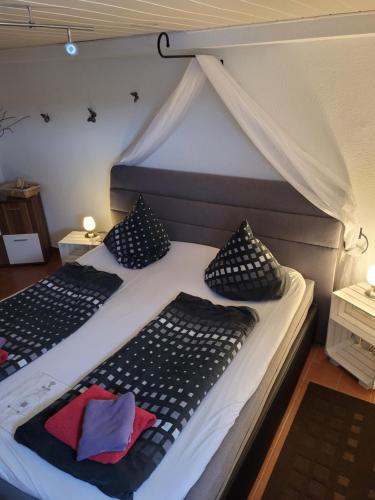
x: 211, y: 485
x: 142, y: 295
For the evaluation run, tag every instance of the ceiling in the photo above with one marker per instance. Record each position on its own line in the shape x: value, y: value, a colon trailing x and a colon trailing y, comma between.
x: 118, y: 18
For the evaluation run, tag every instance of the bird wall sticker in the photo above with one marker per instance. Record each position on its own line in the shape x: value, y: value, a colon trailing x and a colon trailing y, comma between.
x: 92, y: 117
x: 45, y: 117
x: 135, y: 96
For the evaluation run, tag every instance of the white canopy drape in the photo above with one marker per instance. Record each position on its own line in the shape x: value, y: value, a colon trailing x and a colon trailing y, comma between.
x: 167, y: 118
x: 327, y: 188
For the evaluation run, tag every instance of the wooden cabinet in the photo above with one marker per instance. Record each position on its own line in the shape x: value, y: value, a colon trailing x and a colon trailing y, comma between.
x: 24, y: 233
x: 16, y: 217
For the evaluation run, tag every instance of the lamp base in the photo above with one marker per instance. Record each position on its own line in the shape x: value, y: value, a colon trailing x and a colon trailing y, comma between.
x: 91, y: 235
x: 371, y: 292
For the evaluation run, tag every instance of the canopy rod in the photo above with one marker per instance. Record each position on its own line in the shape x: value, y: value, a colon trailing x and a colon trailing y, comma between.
x: 174, y: 56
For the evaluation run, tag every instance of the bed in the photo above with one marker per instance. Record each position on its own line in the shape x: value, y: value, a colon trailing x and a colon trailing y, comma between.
x: 200, y: 212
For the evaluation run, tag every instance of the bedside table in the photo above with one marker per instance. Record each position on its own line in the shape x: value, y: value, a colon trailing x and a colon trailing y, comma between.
x: 75, y: 244
x: 351, y: 333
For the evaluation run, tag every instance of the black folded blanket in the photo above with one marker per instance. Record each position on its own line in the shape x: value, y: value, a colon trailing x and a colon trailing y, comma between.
x: 170, y: 366
x: 39, y: 317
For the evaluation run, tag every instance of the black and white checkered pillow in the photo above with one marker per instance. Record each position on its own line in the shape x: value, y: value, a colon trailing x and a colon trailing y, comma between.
x: 244, y: 269
x: 139, y: 239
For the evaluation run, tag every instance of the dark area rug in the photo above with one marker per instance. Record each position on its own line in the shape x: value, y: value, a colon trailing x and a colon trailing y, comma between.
x: 329, y: 452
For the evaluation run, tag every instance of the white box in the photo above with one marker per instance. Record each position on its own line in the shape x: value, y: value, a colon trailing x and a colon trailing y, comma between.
x: 23, y: 248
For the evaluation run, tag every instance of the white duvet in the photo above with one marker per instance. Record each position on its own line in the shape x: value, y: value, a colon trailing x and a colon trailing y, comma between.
x: 143, y: 294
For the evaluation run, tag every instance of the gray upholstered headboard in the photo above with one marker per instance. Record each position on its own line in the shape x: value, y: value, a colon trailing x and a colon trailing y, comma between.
x: 206, y: 209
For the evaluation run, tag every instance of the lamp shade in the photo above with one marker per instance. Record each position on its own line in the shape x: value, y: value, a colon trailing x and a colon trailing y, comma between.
x: 89, y: 223
x: 371, y: 275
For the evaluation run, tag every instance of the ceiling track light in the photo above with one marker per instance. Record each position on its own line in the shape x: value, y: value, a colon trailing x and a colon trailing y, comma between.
x: 70, y: 47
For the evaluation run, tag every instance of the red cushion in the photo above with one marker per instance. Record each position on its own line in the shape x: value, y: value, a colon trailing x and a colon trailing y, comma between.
x: 3, y: 356
x: 66, y: 424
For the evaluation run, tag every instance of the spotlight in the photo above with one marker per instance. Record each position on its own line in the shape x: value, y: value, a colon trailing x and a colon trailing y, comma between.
x: 70, y: 47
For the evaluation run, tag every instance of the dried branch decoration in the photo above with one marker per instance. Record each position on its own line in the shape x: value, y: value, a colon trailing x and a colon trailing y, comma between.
x: 6, y: 123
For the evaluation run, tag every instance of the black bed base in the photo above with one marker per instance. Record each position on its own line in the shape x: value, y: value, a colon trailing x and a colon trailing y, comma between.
x: 252, y: 458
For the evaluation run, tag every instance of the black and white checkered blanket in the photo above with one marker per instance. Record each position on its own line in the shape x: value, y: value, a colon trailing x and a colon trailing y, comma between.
x: 170, y: 366
x: 39, y: 317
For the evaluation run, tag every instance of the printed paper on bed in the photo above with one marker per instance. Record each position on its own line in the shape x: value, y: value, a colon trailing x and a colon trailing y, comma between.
x: 27, y: 399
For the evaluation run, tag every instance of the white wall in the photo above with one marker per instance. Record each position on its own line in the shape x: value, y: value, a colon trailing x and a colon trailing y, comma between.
x: 72, y: 158
x: 321, y: 92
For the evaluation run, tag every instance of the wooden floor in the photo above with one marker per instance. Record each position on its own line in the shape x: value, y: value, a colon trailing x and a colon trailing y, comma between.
x: 317, y: 368
x: 14, y: 278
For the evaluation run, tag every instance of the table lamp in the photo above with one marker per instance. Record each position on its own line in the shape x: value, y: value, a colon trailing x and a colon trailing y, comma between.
x: 89, y: 226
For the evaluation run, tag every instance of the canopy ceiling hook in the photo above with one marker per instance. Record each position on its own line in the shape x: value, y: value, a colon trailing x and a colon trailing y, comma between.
x: 167, y: 44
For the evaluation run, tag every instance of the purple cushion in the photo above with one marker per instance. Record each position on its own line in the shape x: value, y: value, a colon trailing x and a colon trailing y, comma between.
x: 107, y: 426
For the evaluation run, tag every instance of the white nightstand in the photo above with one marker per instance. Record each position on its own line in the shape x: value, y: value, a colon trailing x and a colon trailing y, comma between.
x: 75, y: 244
x: 351, y: 333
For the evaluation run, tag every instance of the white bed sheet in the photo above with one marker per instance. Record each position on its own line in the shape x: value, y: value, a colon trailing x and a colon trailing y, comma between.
x: 143, y: 294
